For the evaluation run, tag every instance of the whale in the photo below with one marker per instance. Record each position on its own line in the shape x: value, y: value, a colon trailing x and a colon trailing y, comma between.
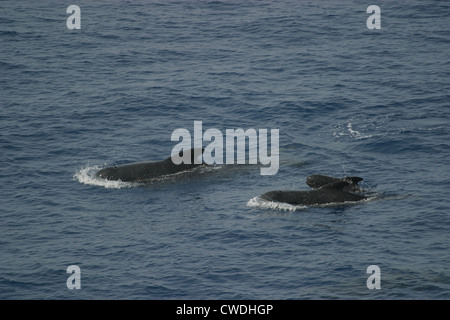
x: 145, y: 171
x: 336, y: 191
x: 317, y: 181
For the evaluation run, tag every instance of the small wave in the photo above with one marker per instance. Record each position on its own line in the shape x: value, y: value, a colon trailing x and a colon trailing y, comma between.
x: 365, y: 129
x: 259, y: 202
x: 86, y: 175
x: 356, y: 134
x: 353, y: 133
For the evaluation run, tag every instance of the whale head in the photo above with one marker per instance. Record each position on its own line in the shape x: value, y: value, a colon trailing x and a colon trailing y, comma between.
x: 110, y: 173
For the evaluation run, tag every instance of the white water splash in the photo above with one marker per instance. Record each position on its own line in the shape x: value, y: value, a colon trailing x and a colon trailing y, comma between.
x: 86, y: 175
x: 366, y: 128
x: 356, y: 134
x: 258, y: 202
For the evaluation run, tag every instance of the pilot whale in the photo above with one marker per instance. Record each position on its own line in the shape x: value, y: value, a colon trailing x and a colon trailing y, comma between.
x: 316, y: 181
x: 337, y: 190
x: 144, y: 171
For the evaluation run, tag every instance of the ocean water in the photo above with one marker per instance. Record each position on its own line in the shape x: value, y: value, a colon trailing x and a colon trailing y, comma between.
x: 346, y: 101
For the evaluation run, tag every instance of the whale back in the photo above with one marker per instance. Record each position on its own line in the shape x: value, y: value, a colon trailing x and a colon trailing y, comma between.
x: 336, y: 191
x: 318, y: 181
x: 144, y: 171
x: 328, y: 195
x: 336, y: 185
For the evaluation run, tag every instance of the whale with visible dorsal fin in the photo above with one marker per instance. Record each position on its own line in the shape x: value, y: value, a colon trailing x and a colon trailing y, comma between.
x: 337, y: 190
x: 145, y: 171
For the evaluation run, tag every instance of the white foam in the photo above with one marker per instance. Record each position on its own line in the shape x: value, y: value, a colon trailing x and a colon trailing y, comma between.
x: 356, y: 134
x: 86, y: 175
x: 365, y: 129
x: 267, y: 204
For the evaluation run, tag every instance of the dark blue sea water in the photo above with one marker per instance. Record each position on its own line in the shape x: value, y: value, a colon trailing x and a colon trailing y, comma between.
x: 346, y: 100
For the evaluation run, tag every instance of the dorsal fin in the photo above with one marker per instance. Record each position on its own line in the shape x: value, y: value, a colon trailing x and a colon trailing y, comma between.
x: 338, y: 185
x: 354, y: 180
